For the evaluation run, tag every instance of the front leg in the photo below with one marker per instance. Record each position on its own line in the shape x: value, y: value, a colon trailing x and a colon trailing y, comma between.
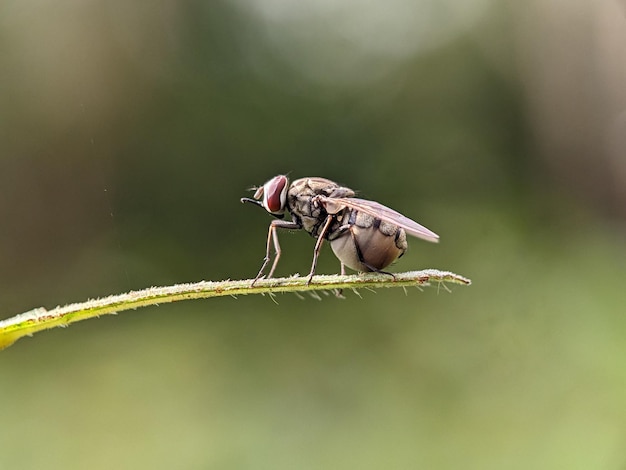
x: 318, y: 245
x: 272, y: 237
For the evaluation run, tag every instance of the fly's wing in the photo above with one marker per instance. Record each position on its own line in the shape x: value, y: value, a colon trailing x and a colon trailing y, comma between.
x: 375, y: 209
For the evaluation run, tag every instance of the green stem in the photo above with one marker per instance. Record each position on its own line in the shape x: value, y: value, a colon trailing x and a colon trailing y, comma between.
x: 38, y: 319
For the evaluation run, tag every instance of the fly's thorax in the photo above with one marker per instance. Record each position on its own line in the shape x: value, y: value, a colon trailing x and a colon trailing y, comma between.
x: 365, y: 243
x: 304, y: 211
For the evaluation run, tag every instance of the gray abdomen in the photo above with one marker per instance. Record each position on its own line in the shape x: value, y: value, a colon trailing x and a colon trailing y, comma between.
x: 365, y: 243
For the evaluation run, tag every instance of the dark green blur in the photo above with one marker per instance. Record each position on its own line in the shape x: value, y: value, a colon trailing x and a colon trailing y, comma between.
x: 128, y: 133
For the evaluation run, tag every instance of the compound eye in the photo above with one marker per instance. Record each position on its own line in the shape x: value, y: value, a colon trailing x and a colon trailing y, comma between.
x: 275, y: 194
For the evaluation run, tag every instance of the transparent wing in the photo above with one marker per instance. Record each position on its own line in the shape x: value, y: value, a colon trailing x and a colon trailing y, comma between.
x: 375, y: 209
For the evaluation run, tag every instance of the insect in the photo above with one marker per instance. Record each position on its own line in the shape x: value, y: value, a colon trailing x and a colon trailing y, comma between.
x: 364, y: 235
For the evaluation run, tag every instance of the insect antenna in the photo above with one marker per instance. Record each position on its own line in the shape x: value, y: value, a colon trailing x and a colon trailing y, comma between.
x: 260, y: 204
x: 253, y: 201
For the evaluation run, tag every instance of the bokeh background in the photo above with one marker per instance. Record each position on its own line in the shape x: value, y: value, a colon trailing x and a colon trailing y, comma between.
x: 128, y: 133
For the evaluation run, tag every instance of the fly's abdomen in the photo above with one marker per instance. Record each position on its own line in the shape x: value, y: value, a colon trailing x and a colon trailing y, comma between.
x: 366, y: 243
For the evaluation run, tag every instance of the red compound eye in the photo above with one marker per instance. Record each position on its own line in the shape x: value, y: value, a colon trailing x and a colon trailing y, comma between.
x: 275, y: 194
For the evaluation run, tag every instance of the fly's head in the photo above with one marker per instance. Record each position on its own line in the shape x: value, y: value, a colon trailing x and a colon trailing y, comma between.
x: 272, y: 196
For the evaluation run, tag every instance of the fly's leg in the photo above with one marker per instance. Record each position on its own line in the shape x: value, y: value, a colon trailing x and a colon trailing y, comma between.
x: 277, y: 252
x: 271, y: 235
x: 272, y: 238
x: 339, y: 292
x: 318, y: 245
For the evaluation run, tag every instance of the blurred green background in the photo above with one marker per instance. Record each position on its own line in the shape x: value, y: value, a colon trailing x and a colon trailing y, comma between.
x: 128, y: 133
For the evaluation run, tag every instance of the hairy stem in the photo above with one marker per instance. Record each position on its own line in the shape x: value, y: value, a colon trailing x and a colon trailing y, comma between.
x: 39, y: 319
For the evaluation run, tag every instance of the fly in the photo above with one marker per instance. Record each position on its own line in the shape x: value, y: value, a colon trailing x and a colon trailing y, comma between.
x: 365, y: 235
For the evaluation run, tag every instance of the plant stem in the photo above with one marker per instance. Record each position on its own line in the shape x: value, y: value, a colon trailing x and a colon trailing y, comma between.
x: 38, y: 319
